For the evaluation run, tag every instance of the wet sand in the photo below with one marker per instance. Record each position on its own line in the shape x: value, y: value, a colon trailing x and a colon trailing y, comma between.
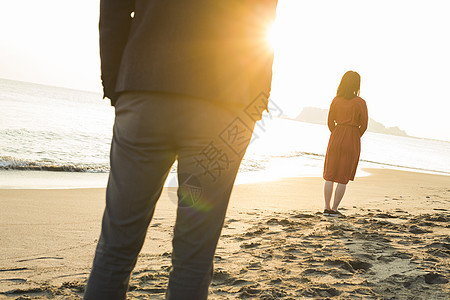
x: 393, y: 244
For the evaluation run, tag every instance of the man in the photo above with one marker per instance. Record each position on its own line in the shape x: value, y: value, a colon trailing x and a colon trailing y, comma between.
x: 188, y: 80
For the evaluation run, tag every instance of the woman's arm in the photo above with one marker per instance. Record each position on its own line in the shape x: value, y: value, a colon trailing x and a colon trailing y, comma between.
x: 364, y: 118
x: 331, y: 116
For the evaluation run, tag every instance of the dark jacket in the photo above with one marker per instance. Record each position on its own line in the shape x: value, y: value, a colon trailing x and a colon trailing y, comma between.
x: 212, y: 49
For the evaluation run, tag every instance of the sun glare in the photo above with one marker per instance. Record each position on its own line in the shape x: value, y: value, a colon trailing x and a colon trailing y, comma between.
x: 272, y: 35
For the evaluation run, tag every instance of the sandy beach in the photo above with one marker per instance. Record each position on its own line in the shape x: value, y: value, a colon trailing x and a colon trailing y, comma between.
x: 393, y: 244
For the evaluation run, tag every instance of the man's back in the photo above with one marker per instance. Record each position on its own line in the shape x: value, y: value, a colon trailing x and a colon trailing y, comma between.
x: 210, y: 49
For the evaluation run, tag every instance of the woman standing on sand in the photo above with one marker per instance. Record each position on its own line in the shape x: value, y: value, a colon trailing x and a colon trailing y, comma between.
x: 347, y: 121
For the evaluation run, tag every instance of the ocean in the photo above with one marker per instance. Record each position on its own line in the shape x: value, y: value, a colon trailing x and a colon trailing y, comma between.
x: 44, y: 128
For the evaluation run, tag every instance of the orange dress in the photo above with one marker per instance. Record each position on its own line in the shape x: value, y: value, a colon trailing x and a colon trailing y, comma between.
x: 347, y: 121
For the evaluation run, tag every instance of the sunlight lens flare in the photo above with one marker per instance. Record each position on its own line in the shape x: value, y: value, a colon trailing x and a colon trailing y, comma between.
x: 273, y: 35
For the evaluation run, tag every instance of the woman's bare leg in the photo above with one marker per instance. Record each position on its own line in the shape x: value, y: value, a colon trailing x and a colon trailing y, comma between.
x: 327, y: 192
x: 338, y: 194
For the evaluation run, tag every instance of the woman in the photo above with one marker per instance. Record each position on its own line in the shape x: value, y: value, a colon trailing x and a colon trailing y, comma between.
x: 347, y: 121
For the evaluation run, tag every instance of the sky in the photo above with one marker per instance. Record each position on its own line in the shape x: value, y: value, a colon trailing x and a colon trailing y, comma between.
x: 399, y: 47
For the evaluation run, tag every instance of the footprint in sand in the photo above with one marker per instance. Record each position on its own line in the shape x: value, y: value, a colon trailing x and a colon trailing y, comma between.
x: 320, y: 292
x: 418, y: 230
x: 14, y: 280
x: 435, y: 278
x: 257, y: 232
x: 250, y: 245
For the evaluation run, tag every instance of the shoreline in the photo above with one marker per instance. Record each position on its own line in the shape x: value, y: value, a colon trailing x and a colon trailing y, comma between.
x: 274, y: 240
x: 33, y: 179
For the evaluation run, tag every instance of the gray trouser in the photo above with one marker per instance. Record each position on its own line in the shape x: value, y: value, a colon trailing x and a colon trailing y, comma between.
x: 151, y: 131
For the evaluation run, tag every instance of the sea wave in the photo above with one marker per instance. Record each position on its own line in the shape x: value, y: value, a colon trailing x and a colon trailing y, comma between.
x: 249, y: 164
x: 374, y: 162
x: 12, y: 163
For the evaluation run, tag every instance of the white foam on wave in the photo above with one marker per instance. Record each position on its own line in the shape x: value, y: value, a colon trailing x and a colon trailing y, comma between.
x: 12, y: 163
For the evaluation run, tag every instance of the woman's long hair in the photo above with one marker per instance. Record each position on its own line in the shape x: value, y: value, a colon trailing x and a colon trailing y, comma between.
x: 349, y: 86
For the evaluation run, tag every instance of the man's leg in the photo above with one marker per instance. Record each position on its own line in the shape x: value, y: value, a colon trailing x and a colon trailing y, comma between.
x: 140, y: 162
x: 208, y: 162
